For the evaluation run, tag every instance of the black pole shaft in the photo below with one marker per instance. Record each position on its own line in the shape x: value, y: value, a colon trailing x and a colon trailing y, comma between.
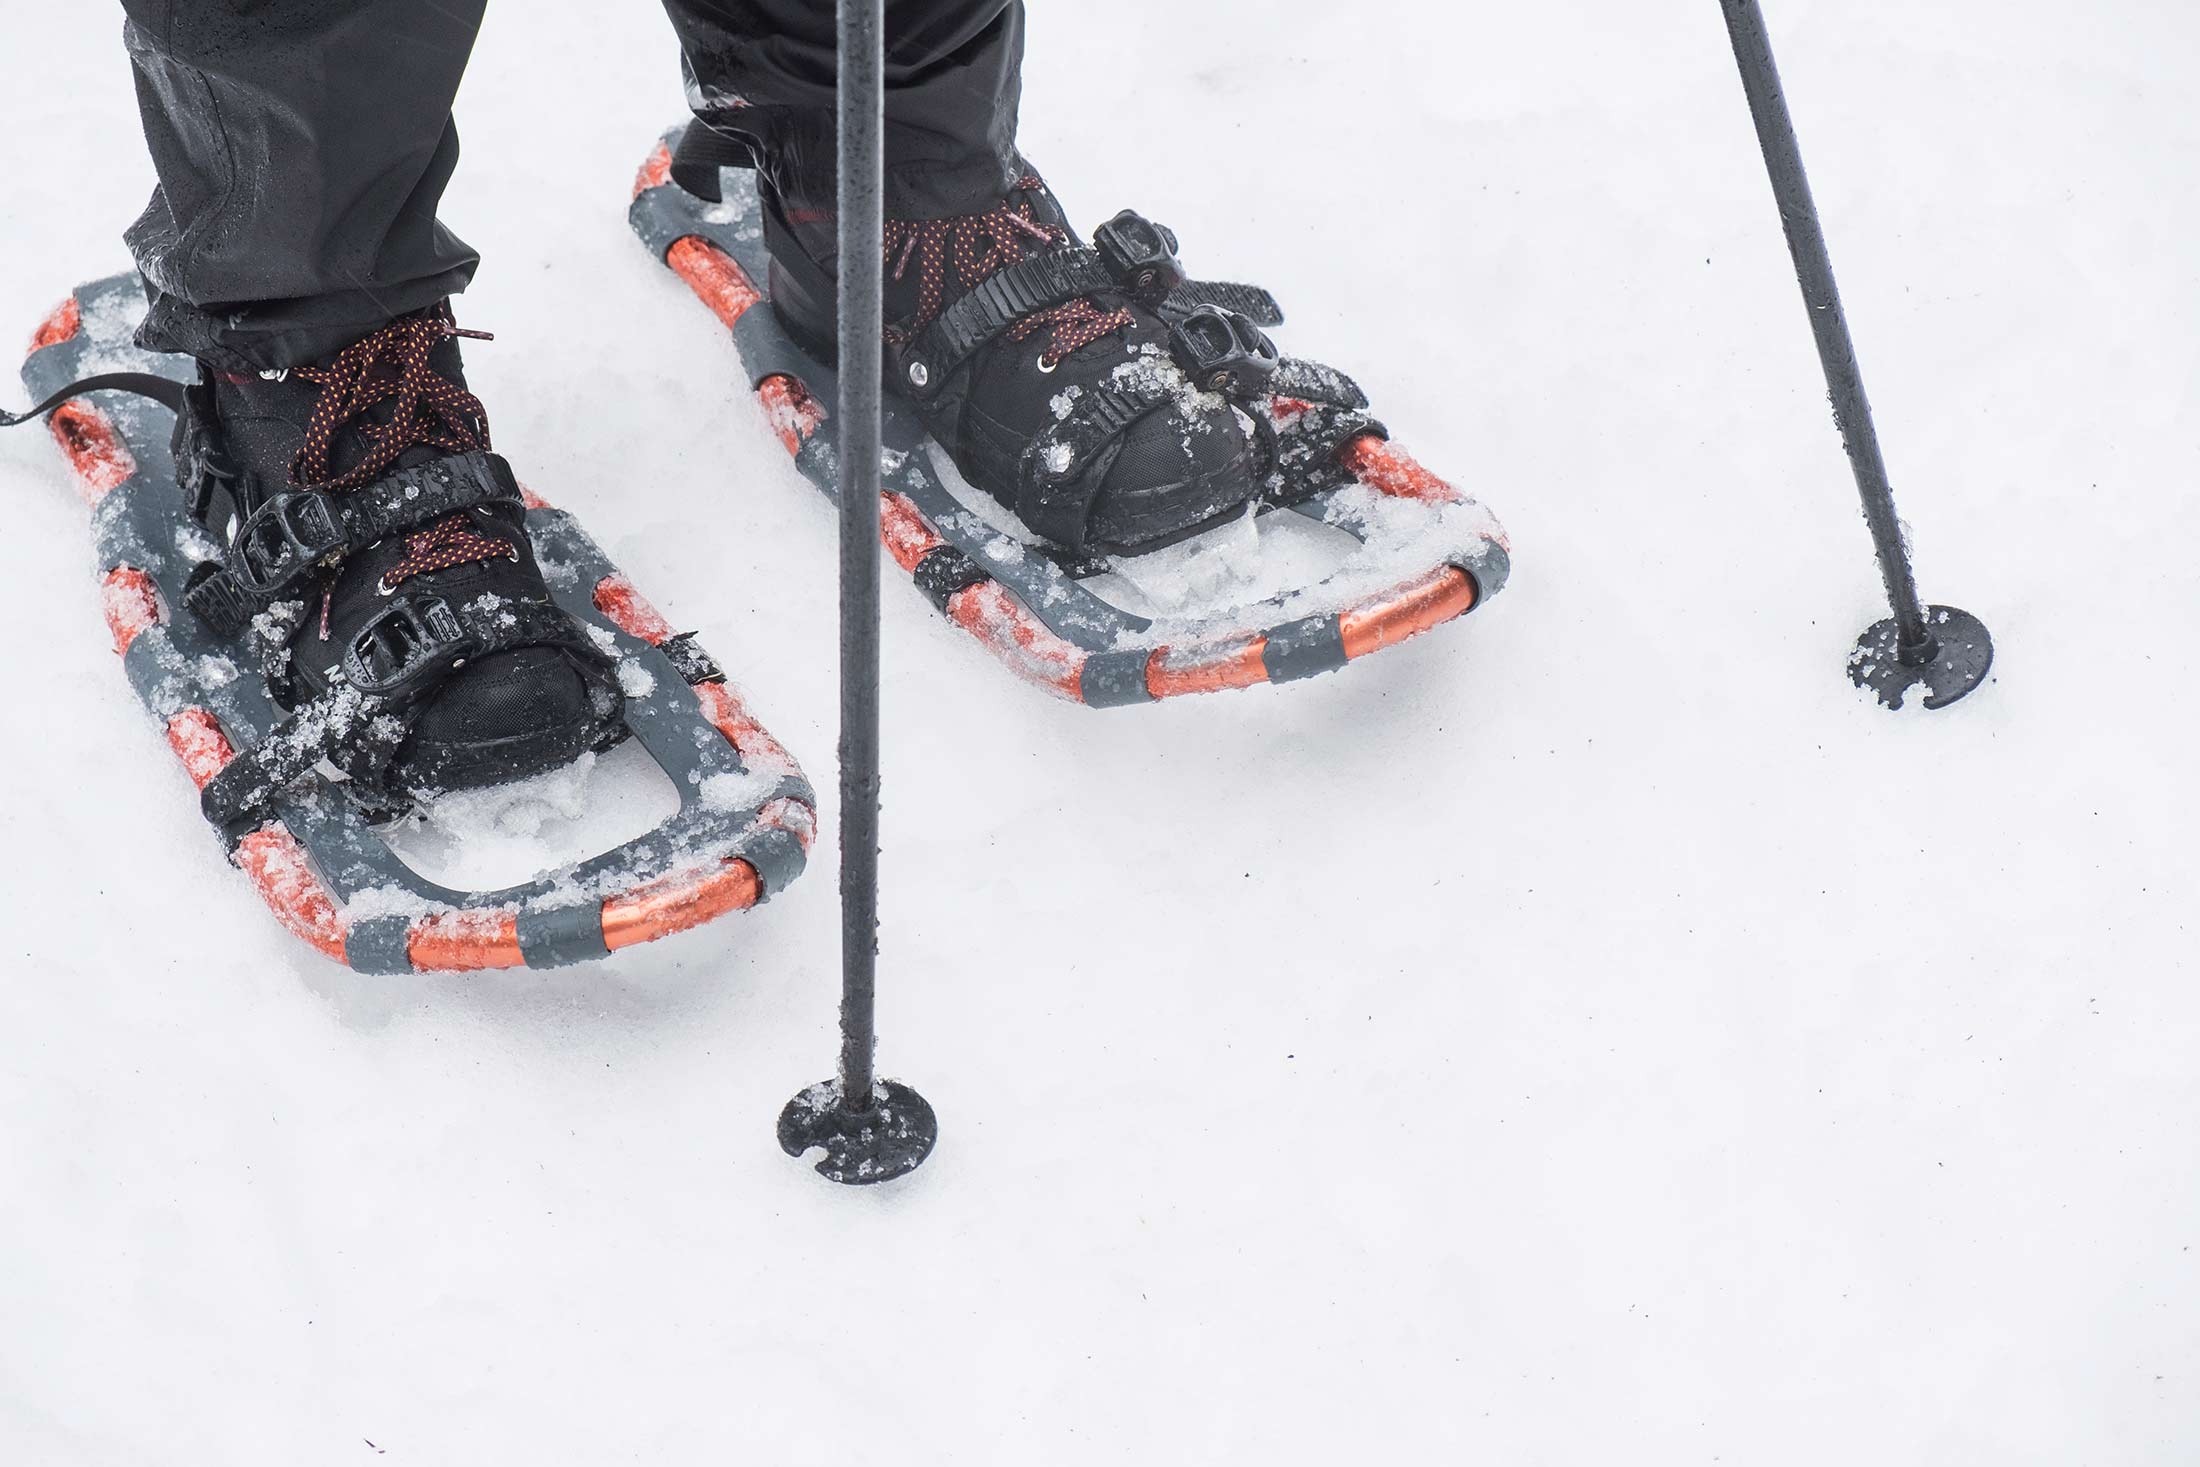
x: 1806, y: 238
x: 862, y: 227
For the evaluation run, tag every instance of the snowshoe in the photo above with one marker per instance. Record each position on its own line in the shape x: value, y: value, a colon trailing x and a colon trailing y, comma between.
x: 1339, y: 546
x: 309, y: 757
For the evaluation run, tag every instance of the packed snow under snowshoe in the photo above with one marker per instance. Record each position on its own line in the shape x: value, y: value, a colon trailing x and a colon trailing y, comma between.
x: 1352, y: 548
x: 305, y: 834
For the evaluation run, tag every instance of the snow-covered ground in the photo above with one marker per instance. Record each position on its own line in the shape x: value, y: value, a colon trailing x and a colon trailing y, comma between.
x: 1591, y: 1034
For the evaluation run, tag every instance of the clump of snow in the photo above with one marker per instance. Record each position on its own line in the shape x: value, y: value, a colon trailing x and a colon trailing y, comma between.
x: 1244, y: 561
x: 479, y: 840
x: 489, y: 604
x: 106, y: 330
x: 559, y: 574
x: 194, y: 544
x: 1252, y: 570
x: 744, y: 791
x: 215, y: 671
x: 1152, y: 370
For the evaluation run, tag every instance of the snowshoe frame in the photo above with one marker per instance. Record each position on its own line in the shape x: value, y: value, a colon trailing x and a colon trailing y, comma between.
x: 1026, y: 606
x: 315, y: 857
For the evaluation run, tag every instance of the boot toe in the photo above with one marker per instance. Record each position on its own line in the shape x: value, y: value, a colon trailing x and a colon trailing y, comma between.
x: 504, y: 717
x: 1175, y: 473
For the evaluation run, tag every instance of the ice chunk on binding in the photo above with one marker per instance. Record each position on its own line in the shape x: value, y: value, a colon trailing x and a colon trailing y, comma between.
x: 1424, y: 553
x: 316, y: 861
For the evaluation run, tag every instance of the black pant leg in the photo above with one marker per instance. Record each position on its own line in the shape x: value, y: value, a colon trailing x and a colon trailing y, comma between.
x: 764, y: 70
x: 302, y: 147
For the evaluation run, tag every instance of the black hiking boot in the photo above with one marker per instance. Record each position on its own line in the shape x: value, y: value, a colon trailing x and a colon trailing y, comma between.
x: 385, y: 421
x: 1158, y: 456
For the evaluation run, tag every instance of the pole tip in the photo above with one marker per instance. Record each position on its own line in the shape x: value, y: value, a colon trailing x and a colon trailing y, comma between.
x: 890, y: 1138
x: 1960, y: 655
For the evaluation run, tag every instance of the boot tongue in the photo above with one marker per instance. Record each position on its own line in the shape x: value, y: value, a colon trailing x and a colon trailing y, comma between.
x: 264, y: 420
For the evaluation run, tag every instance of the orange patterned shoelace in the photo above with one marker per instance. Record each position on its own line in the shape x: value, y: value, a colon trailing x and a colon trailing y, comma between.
x: 426, y: 411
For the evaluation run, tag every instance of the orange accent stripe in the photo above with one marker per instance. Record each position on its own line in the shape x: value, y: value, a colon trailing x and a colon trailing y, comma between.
x: 630, y: 611
x: 903, y: 530
x: 1408, y: 611
x: 277, y: 864
x: 531, y: 499
x: 789, y: 408
x: 711, y: 273
x: 656, y: 170
x: 127, y: 596
x: 791, y: 815
x: 465, y: 942
x: 199, y: 742
x: 1389, y: 469
x: 94, y: 449
x: 731, y: 717
x: 676, y: 903
x: 64, y: 322
x: 1173, y: 672
x: 988, y: 612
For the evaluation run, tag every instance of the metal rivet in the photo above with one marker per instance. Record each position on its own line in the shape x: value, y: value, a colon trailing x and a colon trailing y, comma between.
x: 919, y: 374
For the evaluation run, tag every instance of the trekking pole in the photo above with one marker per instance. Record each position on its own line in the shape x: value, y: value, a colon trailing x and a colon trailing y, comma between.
x: 1946, y: 650
x: 870, y: 1130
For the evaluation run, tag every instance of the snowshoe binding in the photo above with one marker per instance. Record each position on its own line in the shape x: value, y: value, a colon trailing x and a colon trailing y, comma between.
x: 1106, y: 473
x: 418, y: 623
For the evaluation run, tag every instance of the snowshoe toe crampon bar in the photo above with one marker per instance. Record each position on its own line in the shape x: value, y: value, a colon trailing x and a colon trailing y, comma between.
x: 746, y: 815
x: 1436, y: 554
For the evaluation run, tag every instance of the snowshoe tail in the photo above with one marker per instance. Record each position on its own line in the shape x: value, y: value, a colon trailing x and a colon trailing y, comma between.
x: 315, y: 860
x: 1022, y: 598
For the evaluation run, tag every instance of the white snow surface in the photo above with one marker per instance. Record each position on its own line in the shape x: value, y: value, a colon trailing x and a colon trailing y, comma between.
x: 1591, y: 1034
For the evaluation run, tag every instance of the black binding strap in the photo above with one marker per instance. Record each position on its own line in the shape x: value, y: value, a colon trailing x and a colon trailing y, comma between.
x: 164, y: 390
x: 1250, y: 301
x: 943, y: 572
x: 689, y: 659
x: 203, y: 465
x: 341, y: 720
x: 1303, y: 451
x: 1001, y: 300
x: 215, y: 598
x: 1313, y: 382
x: 294, y: 531
x: 389, y: 666
x: 1064, y: 466
x: 702, y: 152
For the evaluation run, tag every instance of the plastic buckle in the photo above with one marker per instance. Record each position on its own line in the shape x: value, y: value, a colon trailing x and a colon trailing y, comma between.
x: 411, y: 645
x: 202, y: 460
x: 281, y: 539
x: 1223, y: 351
x: 1140, y: 254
